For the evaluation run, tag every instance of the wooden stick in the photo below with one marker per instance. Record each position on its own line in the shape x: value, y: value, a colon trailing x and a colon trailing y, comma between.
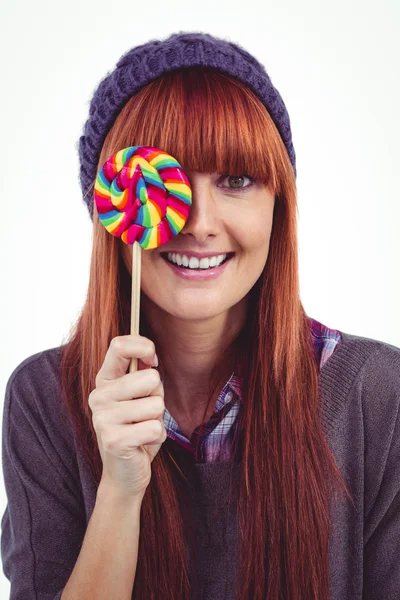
x: 135, y: 301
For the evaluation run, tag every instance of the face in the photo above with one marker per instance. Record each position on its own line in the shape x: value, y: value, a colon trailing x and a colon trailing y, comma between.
x: 230, y: 217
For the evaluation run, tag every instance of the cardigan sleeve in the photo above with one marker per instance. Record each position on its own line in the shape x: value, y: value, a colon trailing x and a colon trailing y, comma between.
x: 382, y: 479
x: 43, y: 524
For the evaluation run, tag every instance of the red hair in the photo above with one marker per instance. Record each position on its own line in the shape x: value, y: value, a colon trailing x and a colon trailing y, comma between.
x: 211, y: 122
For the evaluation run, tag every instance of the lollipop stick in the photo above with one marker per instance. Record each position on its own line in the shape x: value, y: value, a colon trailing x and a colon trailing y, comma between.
x: 135, y: 301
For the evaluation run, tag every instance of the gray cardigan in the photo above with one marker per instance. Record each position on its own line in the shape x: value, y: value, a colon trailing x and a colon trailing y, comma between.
x: 51, y: 494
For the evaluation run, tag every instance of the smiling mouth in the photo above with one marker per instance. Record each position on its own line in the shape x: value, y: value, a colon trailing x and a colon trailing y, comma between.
x: 164, y: 255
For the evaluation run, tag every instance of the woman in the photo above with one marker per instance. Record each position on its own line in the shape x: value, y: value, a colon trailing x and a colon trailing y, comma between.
x: 260, y: 457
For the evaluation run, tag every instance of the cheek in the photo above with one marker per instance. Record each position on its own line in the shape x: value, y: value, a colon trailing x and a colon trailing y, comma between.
x: 253, y: 233
x: 148, y: 269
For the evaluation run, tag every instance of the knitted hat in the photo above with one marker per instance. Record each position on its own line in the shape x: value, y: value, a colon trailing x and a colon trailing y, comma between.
x: 142, y: 64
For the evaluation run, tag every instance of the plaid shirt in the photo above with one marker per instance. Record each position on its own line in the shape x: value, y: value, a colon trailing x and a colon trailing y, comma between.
x: 211, y: 441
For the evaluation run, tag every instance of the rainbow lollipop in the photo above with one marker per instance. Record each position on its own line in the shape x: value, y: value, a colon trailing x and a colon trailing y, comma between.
x: 142, y: 196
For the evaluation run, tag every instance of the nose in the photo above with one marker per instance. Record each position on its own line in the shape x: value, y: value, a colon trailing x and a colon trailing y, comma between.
x: 203, y: 222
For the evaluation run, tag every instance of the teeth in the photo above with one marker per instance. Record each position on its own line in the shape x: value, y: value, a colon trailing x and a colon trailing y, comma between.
x: 195, y: 263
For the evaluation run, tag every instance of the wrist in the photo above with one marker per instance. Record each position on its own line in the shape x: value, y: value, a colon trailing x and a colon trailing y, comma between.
x: 108, y: 492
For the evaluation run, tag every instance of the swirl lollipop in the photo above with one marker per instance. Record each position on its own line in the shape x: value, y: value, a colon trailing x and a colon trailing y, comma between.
x: 142, y: 196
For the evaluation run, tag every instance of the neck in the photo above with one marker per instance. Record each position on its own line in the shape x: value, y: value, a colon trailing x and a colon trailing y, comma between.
x: 191, y: 351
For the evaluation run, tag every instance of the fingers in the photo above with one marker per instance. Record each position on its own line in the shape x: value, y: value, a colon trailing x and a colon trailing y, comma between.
x: 119, y: 354
x: 128, y: 387
x: 147, y: 433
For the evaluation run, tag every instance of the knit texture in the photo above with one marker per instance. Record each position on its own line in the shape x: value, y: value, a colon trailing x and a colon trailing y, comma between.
x: 51, y: 493
x: 144, y: 63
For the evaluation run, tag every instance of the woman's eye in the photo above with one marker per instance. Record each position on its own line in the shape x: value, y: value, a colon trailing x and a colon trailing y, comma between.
x: 237, y: 183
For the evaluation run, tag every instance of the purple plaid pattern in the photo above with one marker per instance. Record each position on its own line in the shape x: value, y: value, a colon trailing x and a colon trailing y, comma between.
x: 211, y: 441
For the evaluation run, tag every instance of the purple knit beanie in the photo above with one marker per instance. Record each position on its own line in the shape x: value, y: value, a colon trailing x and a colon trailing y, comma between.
x: 142, y: 64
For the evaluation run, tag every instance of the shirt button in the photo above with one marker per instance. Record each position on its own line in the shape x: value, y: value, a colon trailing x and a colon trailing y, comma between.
x: 229, y: 396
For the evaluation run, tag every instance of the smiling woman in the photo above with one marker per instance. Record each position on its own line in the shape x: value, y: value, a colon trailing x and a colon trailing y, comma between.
x: 247, y: 463
x: 243, y: 318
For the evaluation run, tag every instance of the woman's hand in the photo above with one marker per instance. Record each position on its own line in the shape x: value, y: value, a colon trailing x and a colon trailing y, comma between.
x: 127, y: 413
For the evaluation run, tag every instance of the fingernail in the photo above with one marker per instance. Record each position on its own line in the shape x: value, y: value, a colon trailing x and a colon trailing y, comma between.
x: 155, y: 360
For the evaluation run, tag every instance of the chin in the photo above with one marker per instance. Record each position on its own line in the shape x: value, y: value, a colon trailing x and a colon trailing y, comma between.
x: 192, y: 312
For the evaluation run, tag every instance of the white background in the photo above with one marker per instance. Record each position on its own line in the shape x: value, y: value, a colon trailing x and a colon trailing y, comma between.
x: 336, y: 66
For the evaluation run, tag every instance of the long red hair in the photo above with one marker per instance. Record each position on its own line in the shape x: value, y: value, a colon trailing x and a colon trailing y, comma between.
x: 211, y: 122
